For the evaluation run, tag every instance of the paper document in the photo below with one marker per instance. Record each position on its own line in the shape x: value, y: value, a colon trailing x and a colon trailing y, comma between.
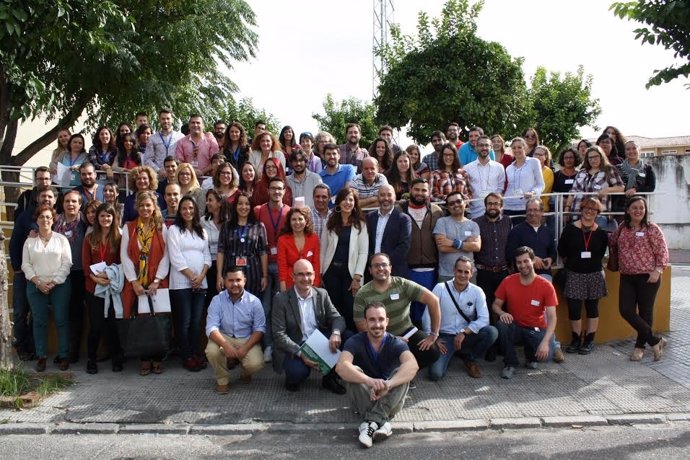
x: 160, y: 302
x: 63, y: 176
x: 98, y: 268
x: 316, y: 348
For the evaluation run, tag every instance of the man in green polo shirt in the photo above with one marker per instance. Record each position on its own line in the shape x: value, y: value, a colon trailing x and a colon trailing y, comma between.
x: 397, y: 294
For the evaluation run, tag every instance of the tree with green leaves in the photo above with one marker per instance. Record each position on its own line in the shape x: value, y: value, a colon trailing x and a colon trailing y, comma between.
x: 560, y: 105
x: 667, y: 24
x: 446, y: 73
x: 244, y: 112
x: 338, y: 114
x: 108, y: 59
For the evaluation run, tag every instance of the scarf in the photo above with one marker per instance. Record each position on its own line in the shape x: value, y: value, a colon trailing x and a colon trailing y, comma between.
x: 67, y: 229
x: 632, y: 173
x: 144, y: 238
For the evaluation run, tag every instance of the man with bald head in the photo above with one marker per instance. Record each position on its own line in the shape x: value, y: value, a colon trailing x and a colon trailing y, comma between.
x: 389, y: 231
x: 296, y: 314
x: 368, y: 183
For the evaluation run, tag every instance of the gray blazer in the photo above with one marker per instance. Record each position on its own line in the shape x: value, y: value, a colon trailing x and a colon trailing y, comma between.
x: 287, y: 322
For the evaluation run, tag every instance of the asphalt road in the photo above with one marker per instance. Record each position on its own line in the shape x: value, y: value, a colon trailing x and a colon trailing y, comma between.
x: 665, y: 441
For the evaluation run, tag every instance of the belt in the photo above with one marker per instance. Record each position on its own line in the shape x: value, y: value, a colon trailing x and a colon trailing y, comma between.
x: 497, y: 269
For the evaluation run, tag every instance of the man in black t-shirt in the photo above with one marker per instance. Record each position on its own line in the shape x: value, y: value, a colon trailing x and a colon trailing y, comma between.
x: 377, y: 368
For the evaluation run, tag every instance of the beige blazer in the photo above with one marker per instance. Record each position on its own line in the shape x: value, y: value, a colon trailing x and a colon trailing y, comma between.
x: 357, y: 254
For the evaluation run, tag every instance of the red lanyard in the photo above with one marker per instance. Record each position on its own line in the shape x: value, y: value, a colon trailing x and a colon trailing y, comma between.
x: 587, y: 239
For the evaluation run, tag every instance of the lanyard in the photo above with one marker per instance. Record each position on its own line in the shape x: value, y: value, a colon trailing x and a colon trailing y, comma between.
x: 71, y: 163
x: 102, y: 248
x: 587, y: 238
x: 166, y: 145
x: 275, y: 223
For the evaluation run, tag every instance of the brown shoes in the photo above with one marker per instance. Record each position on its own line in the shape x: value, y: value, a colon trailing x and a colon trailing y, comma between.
x: 558, y: 356
x: 473, y: 369
x: 222, y: 389
x: 64, y: 364
x: 41, y: 365
x: 245, y: 377
x: 145, y: 368
x: 157, y: 367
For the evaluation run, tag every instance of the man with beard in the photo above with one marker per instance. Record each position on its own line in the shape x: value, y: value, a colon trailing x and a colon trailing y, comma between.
x: 432, y: 159
x: 468, y: 152
x: 321, y: 196
x: 219, y: 128
x: 302, y: 182
x: 422, y: 256
x: 197, y: 148
x: 376, y: 382
x: 335, y: 175
x: 88, y: 188
x: 350, y: 152
x: 455, y: 235
x: 530, y: 316
x: 389, y: 231
x: 490, y: 261
x: 485, y: 176
x: 453, y: 135
x: 162, y: 144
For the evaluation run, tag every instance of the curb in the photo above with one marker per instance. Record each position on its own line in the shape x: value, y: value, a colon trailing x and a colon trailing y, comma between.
x: 578, y: 421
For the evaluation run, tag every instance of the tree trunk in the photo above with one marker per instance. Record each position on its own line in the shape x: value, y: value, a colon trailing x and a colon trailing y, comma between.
x: 6, y: 360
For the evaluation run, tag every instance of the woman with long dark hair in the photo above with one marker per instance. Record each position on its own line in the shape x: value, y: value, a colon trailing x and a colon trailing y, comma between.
x: 103, y: 150
x: 72, y: 158
x: 242, y: 242
x: 419, y: 168
x: 217, y: 210
x: 103, y: 245
x: 190, y: 259
x: 288, y: 142
x: 128, y: 157
x: 143, y: 133
x: 642, y: 258
x: 248, y: 180
x: 344, y: 249
x: 383, y: 153
x: 401, y: 174
x: 608, y: 145
x: 450, y: 176
x: 265, y: 146
x: 236, y: 148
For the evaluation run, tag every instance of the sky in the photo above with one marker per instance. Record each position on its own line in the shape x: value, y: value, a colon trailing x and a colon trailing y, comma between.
x: 309, y: 48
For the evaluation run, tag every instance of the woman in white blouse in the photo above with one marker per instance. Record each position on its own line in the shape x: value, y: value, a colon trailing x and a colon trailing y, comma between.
x: 190, y: 259
x: 47, y: 260
x: 524, y: 180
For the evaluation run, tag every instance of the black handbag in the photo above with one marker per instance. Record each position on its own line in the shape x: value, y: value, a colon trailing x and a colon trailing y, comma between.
x: 145, y: 335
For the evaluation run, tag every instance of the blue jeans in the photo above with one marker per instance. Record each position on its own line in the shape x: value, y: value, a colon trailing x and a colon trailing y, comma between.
x: 189, y: 305
x: 23, y: 333
x: 297, y: 372
x: 473, y: 347
x: 529, y: 337
x: 267, y: 300
x: 417, y: 309
x: 58, y: 298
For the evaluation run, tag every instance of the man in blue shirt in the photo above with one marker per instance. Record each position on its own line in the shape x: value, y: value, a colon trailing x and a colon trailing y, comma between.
x: 335, y: 175
x: 234, y: 326
x: 377, y: 368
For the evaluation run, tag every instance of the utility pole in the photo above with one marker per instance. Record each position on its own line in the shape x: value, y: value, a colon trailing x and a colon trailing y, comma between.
x: 383, y: 18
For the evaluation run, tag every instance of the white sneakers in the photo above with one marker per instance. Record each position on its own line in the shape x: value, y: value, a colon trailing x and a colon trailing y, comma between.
x: 370, y: 432
x: 267, y: 354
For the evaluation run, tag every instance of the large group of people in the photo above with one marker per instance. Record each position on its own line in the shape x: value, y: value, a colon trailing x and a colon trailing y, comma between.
x: 402, y: 261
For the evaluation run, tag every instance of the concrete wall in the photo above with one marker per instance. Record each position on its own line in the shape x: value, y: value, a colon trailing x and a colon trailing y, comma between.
x: 671, y: 204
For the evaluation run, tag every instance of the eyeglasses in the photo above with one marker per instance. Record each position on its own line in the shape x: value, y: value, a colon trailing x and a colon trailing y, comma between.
x: 46, y: 217
x: 380, y: 265
x: 590, y: 210
x: 453, y: 203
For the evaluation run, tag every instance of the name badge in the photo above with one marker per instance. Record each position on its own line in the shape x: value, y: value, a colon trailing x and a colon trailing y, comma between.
x: 535, y: 303
x: 333, y: 199
x: 68, y: 233
x: 274, y: 251
x: 639, y: 233
x: 395, y: 296
x: 309, y: 253
x: 241, y: 261
x: 569, y: 181
x: 586, y: 255
x: 468, y: 233
x: 642, y: 174
x: 597, y: 187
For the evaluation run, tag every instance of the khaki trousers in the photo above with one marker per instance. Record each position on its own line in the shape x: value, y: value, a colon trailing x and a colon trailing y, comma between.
x: 252, y: 362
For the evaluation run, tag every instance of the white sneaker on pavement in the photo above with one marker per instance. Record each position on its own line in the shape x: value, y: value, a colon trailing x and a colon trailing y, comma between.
x: 384, y: 432
x: 366, y: 433
x: 267, y: 354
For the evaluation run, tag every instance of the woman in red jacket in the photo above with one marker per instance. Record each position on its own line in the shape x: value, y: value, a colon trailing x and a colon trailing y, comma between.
x: 102, y: 245
x: 297, y: 241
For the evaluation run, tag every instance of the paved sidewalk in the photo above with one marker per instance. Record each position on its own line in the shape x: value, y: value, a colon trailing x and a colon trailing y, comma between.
x: 604, y: 387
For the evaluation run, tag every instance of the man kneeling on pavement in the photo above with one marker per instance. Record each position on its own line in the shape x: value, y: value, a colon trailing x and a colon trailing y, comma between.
x: 296, y: 314
x: 377, y: 367
x: 465, y: 325
x: 530, y: 317
x: 235, y: 324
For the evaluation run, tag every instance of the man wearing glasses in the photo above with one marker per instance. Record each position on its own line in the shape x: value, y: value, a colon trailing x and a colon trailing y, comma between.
x: 297, y: 313
x: 27, y: 200
x: 396, y: 294
x: 455, y: 236
x: 302, y: 181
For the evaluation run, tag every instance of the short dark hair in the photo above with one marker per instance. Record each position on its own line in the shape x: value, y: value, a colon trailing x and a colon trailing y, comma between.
x: 141, y: 114
x: 381, y: 254
x: 494, y: 195
x: 439, y: 134
x: 418, y: 180
x: 259, y: 122
x: 323, y: 186
x: 477, y: 129
x: 41, y: 169
x: 171, y: 158
x: 561, y: 160
x: 85, y: 165
x: 234, y: 269
x: 385, y: 128
x: 162, y: 111
x: 523, y: 250
x: 330, y: 146
x: 372, y: 305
